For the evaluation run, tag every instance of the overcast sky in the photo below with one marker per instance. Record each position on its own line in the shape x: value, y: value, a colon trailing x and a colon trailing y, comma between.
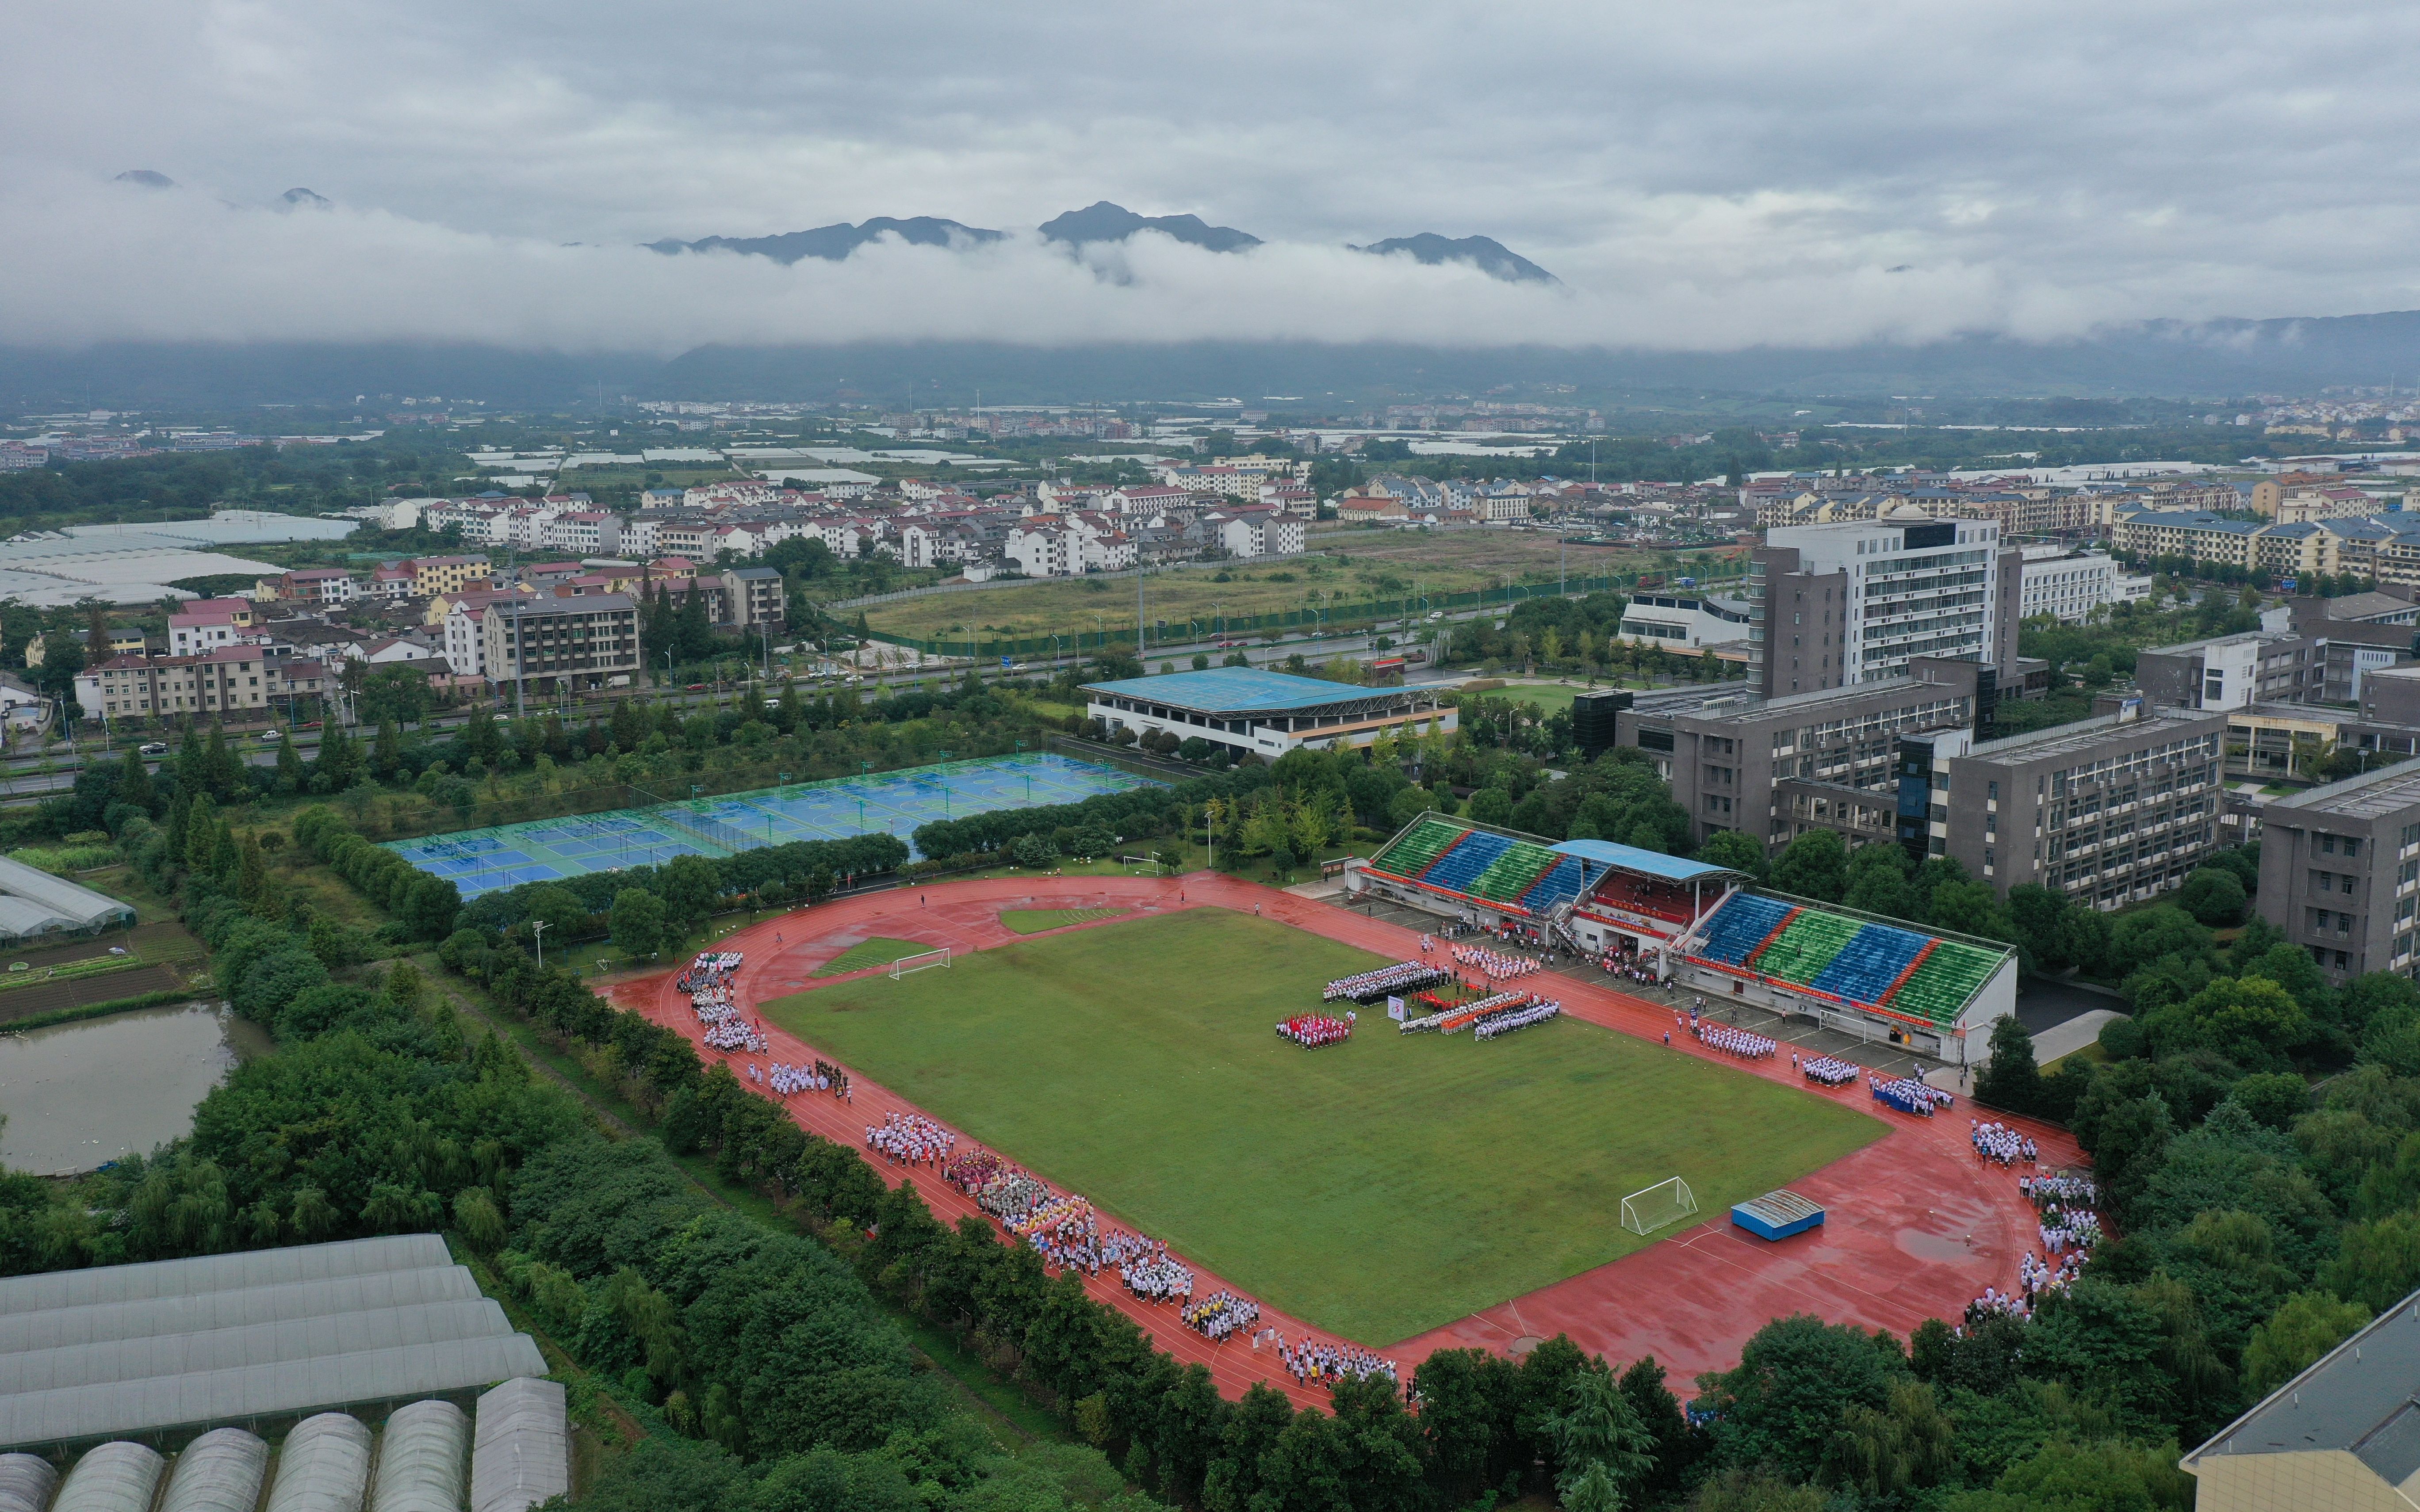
x: 1712, y: 175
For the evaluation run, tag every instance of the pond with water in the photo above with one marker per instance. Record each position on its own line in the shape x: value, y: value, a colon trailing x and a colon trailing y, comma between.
x: 79, y: 1095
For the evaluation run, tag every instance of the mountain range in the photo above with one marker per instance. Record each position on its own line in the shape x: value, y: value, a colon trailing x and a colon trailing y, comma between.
x: 1100, y: 221
x: 1486, y: 253
x: 834, y: 242
x: 1104, y: 221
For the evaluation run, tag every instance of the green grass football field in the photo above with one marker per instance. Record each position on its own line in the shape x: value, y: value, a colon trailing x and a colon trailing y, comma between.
x: 1378, y: 1188
x: 878, y: 951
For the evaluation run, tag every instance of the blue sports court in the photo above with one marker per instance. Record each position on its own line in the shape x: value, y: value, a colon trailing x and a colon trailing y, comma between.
x: 895, y: 803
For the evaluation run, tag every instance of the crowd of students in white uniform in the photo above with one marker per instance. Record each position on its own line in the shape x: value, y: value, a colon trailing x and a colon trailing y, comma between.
x: 1909, y: 1095
x: 910, y: 1139
x: 1997, y: 1141
x: 1400, y: 980
x: 1518, y: 1016
x: 1722, y: 1037
x: 2042, y: 1190
x: 2070, y: 1228
x: 1496, y: 968
x: 1308, y: 1362
x: 1826, y: 1071
x: 1311, y: 1030
x: 1220, y: 1315
x: 823, y: 1076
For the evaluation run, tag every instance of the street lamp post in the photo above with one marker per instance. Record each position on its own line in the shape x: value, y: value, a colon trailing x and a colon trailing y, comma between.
x: 537, y: 931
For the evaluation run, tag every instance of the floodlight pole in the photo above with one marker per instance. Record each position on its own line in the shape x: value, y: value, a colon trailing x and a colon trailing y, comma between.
x: 537, y: 929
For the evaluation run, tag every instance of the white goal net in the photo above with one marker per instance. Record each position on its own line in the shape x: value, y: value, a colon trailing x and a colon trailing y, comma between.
x: 1666, y: 1202
x: 907, y: 964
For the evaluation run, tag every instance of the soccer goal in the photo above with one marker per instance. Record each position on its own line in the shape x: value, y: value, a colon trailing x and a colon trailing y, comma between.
x: 1666, y: 1202
x: 907, y: 964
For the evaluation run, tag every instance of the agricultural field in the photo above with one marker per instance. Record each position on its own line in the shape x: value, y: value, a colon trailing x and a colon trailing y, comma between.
x: 1345, y: 565
x: 1377, y: 1188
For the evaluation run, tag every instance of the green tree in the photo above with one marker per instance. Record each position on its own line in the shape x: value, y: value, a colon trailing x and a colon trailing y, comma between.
x: 1878, y: 881
x: 2011, y: 1079
x: 2215, y: 896
x: 386, y: 754
x: 689, y: 890
x: 290, y: 774
x: 638, y: 922
x: 1779, y: 1405
x: 2377, y: 1264
x: 1491, y: 805
x: 2305, y: 1325
x: 1730, y: 848
x: 1597, y: 1429
x: 1815, y: 865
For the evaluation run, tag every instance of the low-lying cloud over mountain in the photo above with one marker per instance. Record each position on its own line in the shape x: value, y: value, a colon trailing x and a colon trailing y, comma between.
x: 834, y: 242
x: 1104, y: 221
x: 1697, y: 177
x: 1486, y: 253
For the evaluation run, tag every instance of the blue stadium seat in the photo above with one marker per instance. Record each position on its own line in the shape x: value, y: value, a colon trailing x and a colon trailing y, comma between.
x: 1870, y: 962
x: 1458, y: 867
x: 1558, y: 886
x: 1740, y: 926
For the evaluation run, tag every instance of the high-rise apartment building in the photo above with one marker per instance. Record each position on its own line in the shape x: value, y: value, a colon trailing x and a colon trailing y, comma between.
x: 1837, y: 606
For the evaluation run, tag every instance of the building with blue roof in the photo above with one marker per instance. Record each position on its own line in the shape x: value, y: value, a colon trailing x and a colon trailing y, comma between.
x: 1253, y: 710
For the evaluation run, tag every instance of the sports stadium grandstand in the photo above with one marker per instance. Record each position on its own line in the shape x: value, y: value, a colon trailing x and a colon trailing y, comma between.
x: 1701, y: 925
x: 1938, y: 994
x: 1589, y: 895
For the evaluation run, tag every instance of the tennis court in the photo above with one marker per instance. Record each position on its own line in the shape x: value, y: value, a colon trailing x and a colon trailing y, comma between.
x: 895, y: 803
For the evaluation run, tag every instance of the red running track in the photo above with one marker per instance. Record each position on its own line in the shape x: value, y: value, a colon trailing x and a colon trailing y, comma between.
x: 1915, y: 1227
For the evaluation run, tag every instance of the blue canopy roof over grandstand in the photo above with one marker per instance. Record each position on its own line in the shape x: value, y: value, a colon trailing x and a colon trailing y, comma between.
x: 1238, y: 691
x: 1653, y: 863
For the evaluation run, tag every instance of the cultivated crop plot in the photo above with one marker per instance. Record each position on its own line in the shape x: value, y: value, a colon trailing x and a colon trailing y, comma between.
x: 1376, y: 1187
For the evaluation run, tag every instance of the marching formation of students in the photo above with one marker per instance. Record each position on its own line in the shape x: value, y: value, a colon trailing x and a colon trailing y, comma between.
x: 910, y: 1139
x: 1496, y: 968
x: 1399, y: 980
x: 1826, y: 1071
x: 2042, y: 1191
x: 1729, y: 1041
x: 1311, y: 1030
x: 1308, y: 1362
x: 712, y: 968
x: 1460, y: 1016
x: 823, y: 1076
x: 1997, y: 1141
x: 1519, y: 1016
x: 1157, y: 1279
x: 1909, y: 1095
x: 1220, y: 1315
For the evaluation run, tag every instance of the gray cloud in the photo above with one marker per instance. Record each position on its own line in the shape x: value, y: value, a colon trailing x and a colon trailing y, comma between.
x: 1715, y: 176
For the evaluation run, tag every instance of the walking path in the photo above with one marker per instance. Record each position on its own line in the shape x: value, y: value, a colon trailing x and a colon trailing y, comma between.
x: 1916, y: 1226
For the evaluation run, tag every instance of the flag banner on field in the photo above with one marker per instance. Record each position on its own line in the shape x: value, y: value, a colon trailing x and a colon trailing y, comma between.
x: 1395, y: 1008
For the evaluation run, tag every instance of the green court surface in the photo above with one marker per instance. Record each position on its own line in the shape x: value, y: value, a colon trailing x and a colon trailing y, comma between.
x: 1034, y: 920
x: 1377, y: 1188
x: 878, y: 951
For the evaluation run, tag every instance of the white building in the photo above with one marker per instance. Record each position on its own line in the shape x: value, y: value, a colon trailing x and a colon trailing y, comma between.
x: 1261, y: 532
x: 1684, y: 621
x: 2066, y: 584
x: 1833, y: 606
